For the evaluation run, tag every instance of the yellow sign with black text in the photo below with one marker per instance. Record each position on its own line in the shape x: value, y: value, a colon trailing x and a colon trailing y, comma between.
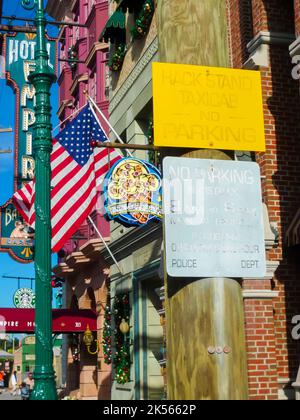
x: 207, y: 107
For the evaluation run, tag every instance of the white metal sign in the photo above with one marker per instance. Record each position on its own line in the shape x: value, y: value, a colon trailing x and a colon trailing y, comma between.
x: 213, y: 218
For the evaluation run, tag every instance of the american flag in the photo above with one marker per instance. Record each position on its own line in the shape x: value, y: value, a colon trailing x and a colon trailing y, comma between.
x: 77, y: 172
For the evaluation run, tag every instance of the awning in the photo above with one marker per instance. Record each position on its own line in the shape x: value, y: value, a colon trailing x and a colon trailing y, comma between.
x: 293, y: 231
x: 5, y: 355
x: 64, y: 321
x: 114, y: 28
x: 130, y: 5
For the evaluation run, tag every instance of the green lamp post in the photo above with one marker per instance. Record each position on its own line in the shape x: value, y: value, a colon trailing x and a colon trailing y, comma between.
x: 42, y: 79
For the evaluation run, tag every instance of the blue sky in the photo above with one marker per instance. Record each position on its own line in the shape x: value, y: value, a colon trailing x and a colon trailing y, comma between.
x: 7, y: 113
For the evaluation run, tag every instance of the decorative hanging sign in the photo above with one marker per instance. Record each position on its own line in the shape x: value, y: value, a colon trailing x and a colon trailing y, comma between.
x: 19, y: 57
x: 24, y: 299
x: 133, y: 192
x: 19, y: 53
x: 16, y: 238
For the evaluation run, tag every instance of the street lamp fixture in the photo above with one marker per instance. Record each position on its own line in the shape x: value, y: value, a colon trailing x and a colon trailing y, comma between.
x: 88, y: 339
x: 42, y: 78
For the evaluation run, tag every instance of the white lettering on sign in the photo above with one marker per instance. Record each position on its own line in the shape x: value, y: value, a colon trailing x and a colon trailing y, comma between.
x: 24, y: 50
x: 28, y: 120
x: 10, y: 215
x: 28, y: 92
x: 4, y: 323
x: 29, y: 67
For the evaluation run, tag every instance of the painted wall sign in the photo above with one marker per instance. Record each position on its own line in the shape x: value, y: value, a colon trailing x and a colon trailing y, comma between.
x: 207, y: 107
x: 24, y: 299
x: 133, y: 192
x: 213, y: 218
x: 19, y: 53
x: 16, y: 238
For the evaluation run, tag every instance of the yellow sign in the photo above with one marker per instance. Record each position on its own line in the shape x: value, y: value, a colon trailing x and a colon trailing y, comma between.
x: 207, y: 107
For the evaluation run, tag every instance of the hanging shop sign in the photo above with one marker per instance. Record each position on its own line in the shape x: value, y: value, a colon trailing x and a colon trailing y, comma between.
x: 213, y: 219
x: 16, y: 238
x: 24, y: 299
x: 133, y: 193
x: 207, y: 107
x: 19, y: 57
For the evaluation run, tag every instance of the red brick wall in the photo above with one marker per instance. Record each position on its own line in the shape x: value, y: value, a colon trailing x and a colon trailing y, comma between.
x: 272, y: 354
x: 297, y: 16
x: 261, y: 349
x: 273, y: 15
x: 240, y: 18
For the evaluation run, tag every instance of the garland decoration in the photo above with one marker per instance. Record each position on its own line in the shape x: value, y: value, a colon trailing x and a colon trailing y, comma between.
x: 150, y: 135
x: 117, y: 59
x: 143, y: 22
x: 107, y: 332
x: 73, y: 57
x: 121, y: 360
x: 154, y: 156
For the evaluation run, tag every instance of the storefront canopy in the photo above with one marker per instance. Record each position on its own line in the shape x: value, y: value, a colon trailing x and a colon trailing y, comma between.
x: 64, y: 321
x: 114, y: 29
x: 293, y: 231
x: 5, y: 355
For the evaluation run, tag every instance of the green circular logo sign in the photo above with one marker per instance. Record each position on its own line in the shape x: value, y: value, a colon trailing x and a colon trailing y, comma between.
x: 24, y: 299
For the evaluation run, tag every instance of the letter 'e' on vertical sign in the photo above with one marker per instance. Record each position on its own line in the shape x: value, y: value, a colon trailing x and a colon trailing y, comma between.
x: 207, y: 107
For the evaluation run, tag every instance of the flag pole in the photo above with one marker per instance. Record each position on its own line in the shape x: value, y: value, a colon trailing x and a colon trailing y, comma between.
x: 105, y: 244
x: 68, y: 118
x: 91, y: 100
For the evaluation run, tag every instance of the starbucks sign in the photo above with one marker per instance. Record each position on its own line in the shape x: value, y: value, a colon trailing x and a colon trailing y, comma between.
x: 24, y: 299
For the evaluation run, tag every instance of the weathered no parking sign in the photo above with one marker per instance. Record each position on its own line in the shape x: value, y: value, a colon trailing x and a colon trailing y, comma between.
x: 213, y: 218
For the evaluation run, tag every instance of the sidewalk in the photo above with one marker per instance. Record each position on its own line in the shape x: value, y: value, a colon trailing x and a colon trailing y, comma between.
x: 6, y: 396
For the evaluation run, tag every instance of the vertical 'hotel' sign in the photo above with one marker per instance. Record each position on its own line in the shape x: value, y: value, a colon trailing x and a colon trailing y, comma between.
x: 20, y: 50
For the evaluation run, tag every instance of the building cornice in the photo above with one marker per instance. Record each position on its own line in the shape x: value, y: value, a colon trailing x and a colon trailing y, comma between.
x: 132, y: 241
x: 146, y: 58
x: 259, y: 47
x: 260, y: 294
x: 79, y: 79
x: 65, y: 104
x: 97, y: 46
x: 76, y: 258
x: 88, y: 253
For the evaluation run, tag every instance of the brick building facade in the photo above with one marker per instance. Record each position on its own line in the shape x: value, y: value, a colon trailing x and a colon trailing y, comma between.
x: 261, y: 33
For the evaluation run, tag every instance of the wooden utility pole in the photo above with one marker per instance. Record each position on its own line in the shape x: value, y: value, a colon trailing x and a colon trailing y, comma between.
x: 201, y: 314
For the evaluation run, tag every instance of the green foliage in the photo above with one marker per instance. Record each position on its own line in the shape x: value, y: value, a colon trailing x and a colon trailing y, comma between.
x: 121, y: 360
x: 73, y: 57
x: 107, y: 333
x: 117, y: 59
x: 143, y: 22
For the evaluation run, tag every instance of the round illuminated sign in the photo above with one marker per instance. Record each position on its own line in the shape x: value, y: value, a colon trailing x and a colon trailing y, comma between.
x: 133, y: 192
x: 24, y: 299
